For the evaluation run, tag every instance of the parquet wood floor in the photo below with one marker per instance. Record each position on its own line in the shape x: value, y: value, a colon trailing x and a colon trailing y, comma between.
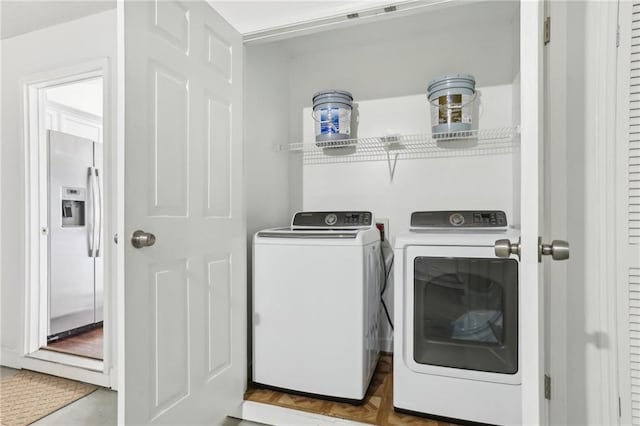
x: 377, y: 408
x: 88, y: 344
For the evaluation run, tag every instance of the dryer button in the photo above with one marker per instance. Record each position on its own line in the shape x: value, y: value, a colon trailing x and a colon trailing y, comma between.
x: 456, y: 219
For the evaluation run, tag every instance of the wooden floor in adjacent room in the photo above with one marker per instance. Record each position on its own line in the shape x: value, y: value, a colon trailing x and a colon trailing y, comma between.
x: 88, y: 344
x: 377, y: 408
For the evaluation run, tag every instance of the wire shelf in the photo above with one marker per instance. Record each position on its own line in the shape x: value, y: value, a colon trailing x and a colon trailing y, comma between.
x: 392, y: 148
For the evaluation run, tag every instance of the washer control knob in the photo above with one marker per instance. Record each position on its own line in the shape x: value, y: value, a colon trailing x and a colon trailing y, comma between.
x: 456, y: 219
x: 331, y: 219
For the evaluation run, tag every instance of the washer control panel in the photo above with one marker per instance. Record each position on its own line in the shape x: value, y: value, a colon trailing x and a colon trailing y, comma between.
x: 332, y: 220
x: 459, y: 219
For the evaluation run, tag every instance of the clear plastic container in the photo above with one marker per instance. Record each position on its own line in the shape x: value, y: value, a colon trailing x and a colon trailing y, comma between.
x: 451, y: 97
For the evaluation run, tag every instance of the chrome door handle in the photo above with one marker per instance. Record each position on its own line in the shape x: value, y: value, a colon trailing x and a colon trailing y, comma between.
x: 558, y: 250
x: 98, y: 187
x: 141, y: 239
x: 92, y: 190
x: 505, y: 248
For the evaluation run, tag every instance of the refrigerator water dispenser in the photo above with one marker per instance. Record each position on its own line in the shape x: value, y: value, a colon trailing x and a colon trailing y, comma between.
x: 73, y: 200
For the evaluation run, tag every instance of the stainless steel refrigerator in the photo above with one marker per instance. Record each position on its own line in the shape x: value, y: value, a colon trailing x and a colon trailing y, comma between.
x: 75, y: 234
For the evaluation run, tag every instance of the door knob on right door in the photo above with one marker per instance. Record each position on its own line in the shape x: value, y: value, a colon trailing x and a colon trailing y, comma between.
x: 558, y: 249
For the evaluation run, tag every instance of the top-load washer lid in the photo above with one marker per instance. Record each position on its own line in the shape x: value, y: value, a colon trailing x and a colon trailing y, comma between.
x: 331, y: 237
x: 291, y: 232
x: 336, y: 227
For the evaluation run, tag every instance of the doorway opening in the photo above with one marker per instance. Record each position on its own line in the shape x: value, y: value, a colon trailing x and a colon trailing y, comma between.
x: 68, y: 320
x: 73, y: 126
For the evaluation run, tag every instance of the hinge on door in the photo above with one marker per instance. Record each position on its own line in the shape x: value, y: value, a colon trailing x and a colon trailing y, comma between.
x: 619, y: 407
x: 547, y: 30
x: 547, y: 387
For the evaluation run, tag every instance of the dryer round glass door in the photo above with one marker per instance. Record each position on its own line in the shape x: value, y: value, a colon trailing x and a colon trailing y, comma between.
x: 462, y: 313
x: 465, y: 313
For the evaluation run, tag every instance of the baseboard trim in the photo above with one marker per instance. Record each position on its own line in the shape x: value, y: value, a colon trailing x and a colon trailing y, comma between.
x: 9, y: 358
x: 66, y: 371
x: 12, y: 359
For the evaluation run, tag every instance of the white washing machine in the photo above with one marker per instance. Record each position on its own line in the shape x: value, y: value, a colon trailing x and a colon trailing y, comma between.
x: 457, y: 352
x: 316, y: 304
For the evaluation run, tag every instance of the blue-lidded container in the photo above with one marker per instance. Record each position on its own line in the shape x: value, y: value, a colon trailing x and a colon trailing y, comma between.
x: 451, y: 97
x: 332, y: 114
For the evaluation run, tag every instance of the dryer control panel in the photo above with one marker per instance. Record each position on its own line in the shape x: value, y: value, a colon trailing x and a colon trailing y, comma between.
x: 324, y: 220
x: 467, y: 219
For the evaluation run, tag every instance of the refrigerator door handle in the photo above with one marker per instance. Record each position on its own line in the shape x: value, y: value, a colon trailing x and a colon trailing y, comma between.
x: 98, y: 214
x: 91, y: 235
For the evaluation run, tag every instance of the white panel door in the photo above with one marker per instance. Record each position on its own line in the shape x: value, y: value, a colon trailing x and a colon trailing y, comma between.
x: 185, y: 296
x: 531, y: 284
x: 628, y: 212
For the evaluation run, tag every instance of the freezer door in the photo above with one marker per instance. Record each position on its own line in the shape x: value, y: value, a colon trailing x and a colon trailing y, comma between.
x: 71, y: 265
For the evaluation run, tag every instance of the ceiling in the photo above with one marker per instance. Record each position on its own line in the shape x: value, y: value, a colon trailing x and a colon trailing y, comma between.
x: 23, y: 16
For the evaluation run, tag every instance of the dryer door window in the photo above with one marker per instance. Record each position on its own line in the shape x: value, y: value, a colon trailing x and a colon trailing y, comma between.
x: 466, y: 313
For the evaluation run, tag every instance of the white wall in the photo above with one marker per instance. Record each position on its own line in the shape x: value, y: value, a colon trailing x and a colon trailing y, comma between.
x: 76, y: 42
x: 267, y: 170
x: 266, y: 103
x: 72, y: 121
x: 473, y: 182
x: 385, y: 60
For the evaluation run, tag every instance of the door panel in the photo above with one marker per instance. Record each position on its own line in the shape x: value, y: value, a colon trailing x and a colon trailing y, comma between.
x: 219, y: 315
x: 628, y: 213
x: 170, y: 124
x: 218, y: 54
x: 171, y: 20
x: 219, y: 119
x: 185, y: 296
x: 171, y: 364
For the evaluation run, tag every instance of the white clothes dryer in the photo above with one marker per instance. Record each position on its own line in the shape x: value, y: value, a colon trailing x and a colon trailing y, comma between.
x: 316, y: 305
x: 456, y: 348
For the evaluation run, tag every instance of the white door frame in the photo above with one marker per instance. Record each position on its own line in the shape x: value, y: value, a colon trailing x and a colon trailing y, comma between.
x: 36, y: 288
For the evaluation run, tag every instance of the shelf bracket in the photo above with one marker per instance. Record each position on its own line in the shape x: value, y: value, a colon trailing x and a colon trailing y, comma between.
x: 392, y: 167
